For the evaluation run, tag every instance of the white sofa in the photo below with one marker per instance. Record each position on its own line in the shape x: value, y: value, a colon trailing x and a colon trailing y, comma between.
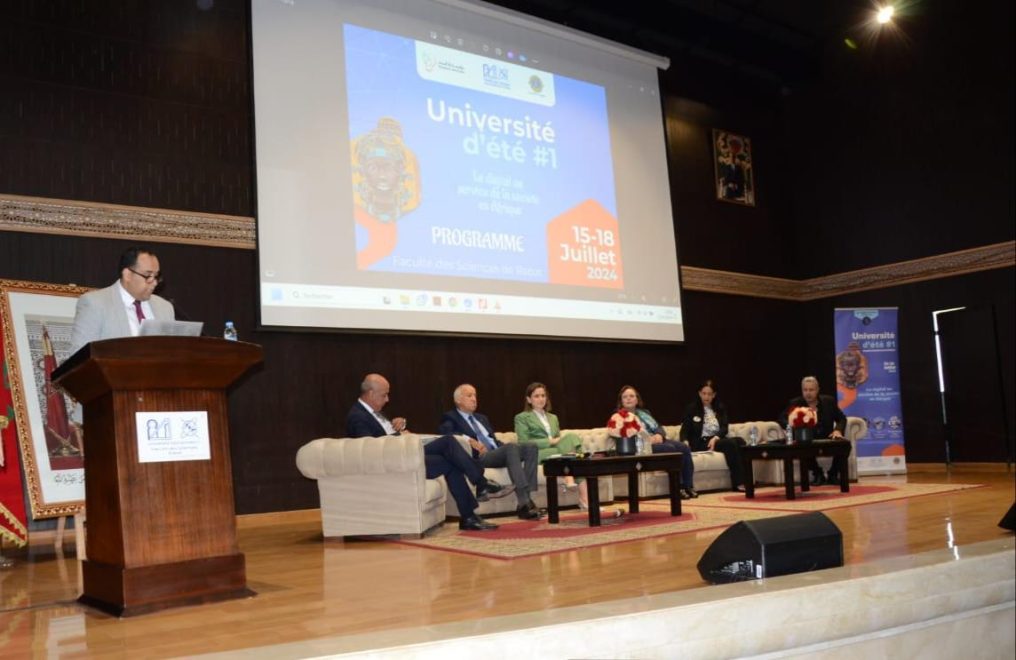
x: 378, y: 486
x: 711, y: 471
x: 373, y: 486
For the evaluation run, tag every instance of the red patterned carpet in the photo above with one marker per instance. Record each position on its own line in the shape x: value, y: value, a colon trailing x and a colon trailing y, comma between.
x: 518, y: 538
x: 823, y: 498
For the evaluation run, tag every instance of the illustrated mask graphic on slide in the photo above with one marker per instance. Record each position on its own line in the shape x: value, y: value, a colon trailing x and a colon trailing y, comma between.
x: 386, y: 186
x: 466, y: 166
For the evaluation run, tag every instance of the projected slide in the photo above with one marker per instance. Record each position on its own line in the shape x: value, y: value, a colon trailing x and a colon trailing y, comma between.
x: 472, y: 168
x: 442, y: 167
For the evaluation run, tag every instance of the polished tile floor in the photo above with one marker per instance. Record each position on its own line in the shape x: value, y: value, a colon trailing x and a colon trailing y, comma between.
x: 309, y: 589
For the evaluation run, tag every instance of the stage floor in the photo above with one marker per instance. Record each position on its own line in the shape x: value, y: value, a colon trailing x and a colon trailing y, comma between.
x: 314, y: 590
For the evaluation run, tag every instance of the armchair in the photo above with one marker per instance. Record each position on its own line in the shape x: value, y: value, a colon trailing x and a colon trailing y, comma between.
x: 373, y: 486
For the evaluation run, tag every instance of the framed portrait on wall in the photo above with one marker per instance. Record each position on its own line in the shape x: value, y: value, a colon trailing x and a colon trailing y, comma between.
x: 37, y: 320
x: 735, y: 176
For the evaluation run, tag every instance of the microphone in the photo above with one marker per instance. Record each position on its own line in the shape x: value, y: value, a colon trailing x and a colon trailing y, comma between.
x: 178, y: 311
x: 182, y: 315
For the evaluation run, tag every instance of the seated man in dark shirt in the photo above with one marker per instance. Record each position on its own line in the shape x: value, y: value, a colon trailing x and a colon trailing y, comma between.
x: 831, y: 424
x: 444, y: 456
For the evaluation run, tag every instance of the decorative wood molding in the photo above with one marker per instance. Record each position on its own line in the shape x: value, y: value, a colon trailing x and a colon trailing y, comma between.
x: 73, y: 218
x: 739, y: 284
x: 988, y: 257
x: 64, y: 217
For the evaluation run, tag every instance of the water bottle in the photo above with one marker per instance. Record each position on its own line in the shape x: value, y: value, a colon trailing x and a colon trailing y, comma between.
x: 646, y: 443
x: 753, y: 436
x: 640, y: 445
x: 790, y: 434
x: 230, y: 332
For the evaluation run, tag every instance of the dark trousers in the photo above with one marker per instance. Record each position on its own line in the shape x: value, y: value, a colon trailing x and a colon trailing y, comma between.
x: 731, y: 450
x: 687, y: 467
x: 521, y: 459
x: 445, y: 457
x: 839, y: 466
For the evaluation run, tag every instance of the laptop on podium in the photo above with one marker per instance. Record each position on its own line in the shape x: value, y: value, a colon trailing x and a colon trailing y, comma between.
x: 152, y: 327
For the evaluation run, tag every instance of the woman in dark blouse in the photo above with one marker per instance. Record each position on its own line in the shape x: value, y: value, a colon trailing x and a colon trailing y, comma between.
x: 704, y: 428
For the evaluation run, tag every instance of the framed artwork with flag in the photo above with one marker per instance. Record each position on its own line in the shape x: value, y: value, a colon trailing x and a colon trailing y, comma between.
x: 37, y: 319
x: 735, y: 174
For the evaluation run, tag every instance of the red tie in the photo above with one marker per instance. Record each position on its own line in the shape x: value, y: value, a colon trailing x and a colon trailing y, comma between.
x: 137, y: 308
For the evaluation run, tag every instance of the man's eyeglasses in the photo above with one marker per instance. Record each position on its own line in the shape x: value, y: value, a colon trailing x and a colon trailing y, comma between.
x: 153, y: 277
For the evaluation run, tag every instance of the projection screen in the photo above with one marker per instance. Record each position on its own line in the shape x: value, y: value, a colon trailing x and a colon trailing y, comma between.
x: 449, y: 166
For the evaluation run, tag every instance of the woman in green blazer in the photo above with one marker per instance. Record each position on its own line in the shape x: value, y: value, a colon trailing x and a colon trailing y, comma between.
x: 538, y: 426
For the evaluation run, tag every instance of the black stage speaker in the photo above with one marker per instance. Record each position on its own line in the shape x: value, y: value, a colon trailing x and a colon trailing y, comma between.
x: 1008, y: 521
x: 773, y: 546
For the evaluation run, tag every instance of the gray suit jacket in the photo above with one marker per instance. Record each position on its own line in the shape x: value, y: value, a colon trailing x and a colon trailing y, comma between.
x: 100, y: 315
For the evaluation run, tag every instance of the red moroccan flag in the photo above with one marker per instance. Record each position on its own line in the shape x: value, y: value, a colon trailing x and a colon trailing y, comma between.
x: 61, y: 441
x: 56, y: 410
x: 13, y: 519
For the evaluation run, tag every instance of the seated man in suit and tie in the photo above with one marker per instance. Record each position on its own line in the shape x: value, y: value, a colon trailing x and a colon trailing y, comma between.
x: 119, y: 309
x: 444, y: 456
x: 520, y: 459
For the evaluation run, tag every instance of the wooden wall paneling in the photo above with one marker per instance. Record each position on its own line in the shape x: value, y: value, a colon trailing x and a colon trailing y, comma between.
x: 155, y: 114
x: 905, y: 150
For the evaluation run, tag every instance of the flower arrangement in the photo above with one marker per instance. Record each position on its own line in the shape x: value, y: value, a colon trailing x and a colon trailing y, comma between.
x: 623, y: 424
x: 802, y: 417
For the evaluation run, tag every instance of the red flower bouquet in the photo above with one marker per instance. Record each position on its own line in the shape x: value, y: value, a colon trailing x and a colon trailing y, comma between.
x: 802, y: 417
x: 801, y: 421
x: 623, y: 424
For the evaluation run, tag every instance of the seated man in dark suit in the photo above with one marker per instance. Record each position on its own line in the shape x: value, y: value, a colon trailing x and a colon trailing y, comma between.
x: 520, y: 459
x: 831, y: 424
x: 444, y: 456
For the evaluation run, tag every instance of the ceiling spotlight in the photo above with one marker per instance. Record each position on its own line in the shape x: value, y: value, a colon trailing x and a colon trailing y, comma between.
x: 885, y: 14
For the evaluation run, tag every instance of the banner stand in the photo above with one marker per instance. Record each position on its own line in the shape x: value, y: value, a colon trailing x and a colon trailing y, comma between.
x: 868, y: 384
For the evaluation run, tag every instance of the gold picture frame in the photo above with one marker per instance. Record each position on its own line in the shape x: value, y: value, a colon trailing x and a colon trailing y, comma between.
x: 36, y: 320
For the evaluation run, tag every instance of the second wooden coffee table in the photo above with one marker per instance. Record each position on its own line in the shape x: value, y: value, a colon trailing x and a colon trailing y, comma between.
x: 790, y: 453
x: 598, y: 466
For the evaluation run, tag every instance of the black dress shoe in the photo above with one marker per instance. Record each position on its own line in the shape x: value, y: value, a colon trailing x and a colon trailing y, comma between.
x: 476, y: 524
x: 492, y: 489
x: 532, y: 507
x: 525, y: 513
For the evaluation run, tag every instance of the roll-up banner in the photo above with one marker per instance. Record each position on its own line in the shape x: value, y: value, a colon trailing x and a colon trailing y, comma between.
x: 868, y: 384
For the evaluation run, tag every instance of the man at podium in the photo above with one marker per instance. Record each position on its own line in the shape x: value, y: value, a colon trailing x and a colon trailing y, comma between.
x: 119, y: 309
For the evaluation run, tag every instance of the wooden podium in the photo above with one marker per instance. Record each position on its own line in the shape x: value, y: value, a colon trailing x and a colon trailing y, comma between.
x: 161, y: 533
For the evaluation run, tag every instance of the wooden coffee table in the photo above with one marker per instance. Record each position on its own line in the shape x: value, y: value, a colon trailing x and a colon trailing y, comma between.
x: 790, y: 453
x: 598, y: 466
